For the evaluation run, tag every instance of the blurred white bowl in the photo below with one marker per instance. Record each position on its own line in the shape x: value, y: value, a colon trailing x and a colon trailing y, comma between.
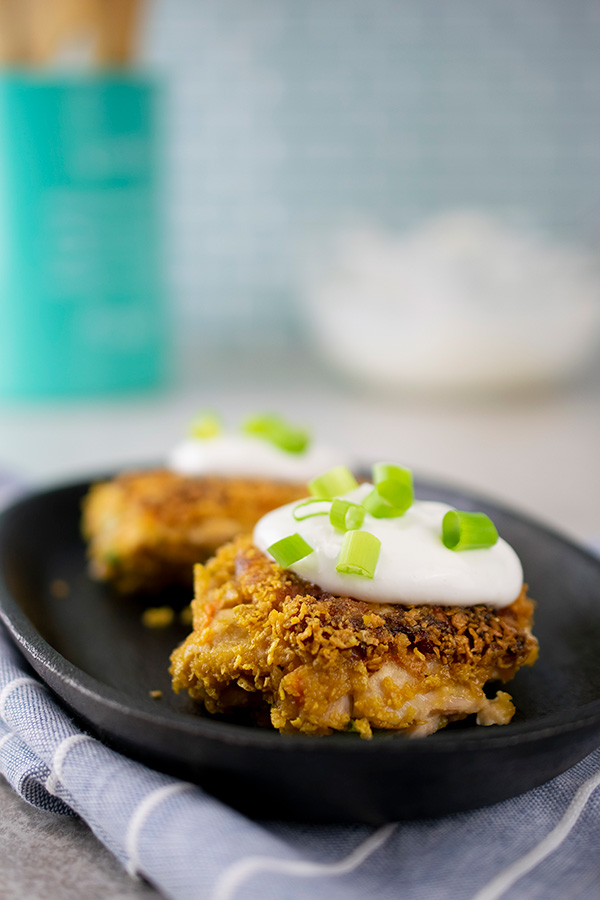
x: 463, y: 303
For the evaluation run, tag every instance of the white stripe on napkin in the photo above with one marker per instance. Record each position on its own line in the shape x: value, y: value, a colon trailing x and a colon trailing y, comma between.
x: 59, y: 757
x: 505, y: 879
x: 233, y: 877
x: 12, y: 686
x: 4, y: 740
x: 139, y: 817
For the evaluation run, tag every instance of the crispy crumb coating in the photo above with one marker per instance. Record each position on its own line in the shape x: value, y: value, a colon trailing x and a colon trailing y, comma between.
x: 147, y: 529
x: 262, y: 635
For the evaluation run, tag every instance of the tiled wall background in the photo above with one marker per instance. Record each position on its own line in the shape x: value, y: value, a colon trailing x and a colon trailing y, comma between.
x: 289, y: 117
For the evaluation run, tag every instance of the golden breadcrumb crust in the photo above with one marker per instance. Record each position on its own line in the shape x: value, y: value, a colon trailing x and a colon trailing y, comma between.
x: 147, y: 529
x: 321, y: 662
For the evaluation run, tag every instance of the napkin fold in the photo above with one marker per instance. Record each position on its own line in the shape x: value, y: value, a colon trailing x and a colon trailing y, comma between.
x: 189, y: 845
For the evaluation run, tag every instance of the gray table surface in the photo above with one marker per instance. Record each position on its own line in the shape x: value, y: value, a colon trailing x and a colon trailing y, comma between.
x: 45, y: 856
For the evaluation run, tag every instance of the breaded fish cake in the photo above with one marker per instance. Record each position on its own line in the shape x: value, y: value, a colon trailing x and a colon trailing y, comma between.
x: 147, y: 529
x: 322, y: 663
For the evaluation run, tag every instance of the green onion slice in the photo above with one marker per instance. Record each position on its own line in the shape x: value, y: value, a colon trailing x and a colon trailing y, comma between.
x: 289, y: 550
x: 468, y: 530
x: 394, y: 484
x: 359, y: 554
x: 309, y: 515
x: 282, y: 434
x: 346, y: 516
x: 332, y: 483
x: 206, y: 425
x: 379, y: 507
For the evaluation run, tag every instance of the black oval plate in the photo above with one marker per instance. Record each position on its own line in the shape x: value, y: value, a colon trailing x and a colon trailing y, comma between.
x: 92, y: 650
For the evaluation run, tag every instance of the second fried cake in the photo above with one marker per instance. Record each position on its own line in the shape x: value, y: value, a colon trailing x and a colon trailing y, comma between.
x: 145, y: 530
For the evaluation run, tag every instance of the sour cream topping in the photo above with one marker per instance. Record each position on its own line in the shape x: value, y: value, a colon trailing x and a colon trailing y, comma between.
x: 414, y: 566
x: 252, y: 457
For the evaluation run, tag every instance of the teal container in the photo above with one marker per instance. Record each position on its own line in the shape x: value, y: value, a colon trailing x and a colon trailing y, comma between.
x: 81, y: 283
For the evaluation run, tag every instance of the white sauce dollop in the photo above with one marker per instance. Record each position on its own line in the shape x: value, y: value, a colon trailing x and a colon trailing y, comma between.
x: 414, y: 566
x: 251, y: 457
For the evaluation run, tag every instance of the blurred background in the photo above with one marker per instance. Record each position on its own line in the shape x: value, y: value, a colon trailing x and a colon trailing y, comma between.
x: 378, y: 217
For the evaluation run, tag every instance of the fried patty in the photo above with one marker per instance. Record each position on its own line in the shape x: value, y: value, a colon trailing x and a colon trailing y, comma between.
x: 147, y: 529
x: 263, y: 636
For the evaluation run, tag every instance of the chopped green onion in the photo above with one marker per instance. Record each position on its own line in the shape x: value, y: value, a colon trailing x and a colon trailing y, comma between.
x: 309, y: 515
x: 359, y: 554
x: 346, y: 516
x: 394, y: 484
x: 468, y: 530
x: 206, y: 425
x: 273, y: 428
x: 332, y: 483
x: 379, y: 507
x: 289, y: 550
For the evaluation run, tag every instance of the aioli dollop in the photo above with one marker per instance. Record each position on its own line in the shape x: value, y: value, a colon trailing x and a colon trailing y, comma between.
x: 252, y: 457
x: 414, y: 566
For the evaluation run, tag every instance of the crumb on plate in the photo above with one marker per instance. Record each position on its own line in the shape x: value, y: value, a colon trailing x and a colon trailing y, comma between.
x: 185, y: 616
x: 59, y: 588
x: 158, y: 616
